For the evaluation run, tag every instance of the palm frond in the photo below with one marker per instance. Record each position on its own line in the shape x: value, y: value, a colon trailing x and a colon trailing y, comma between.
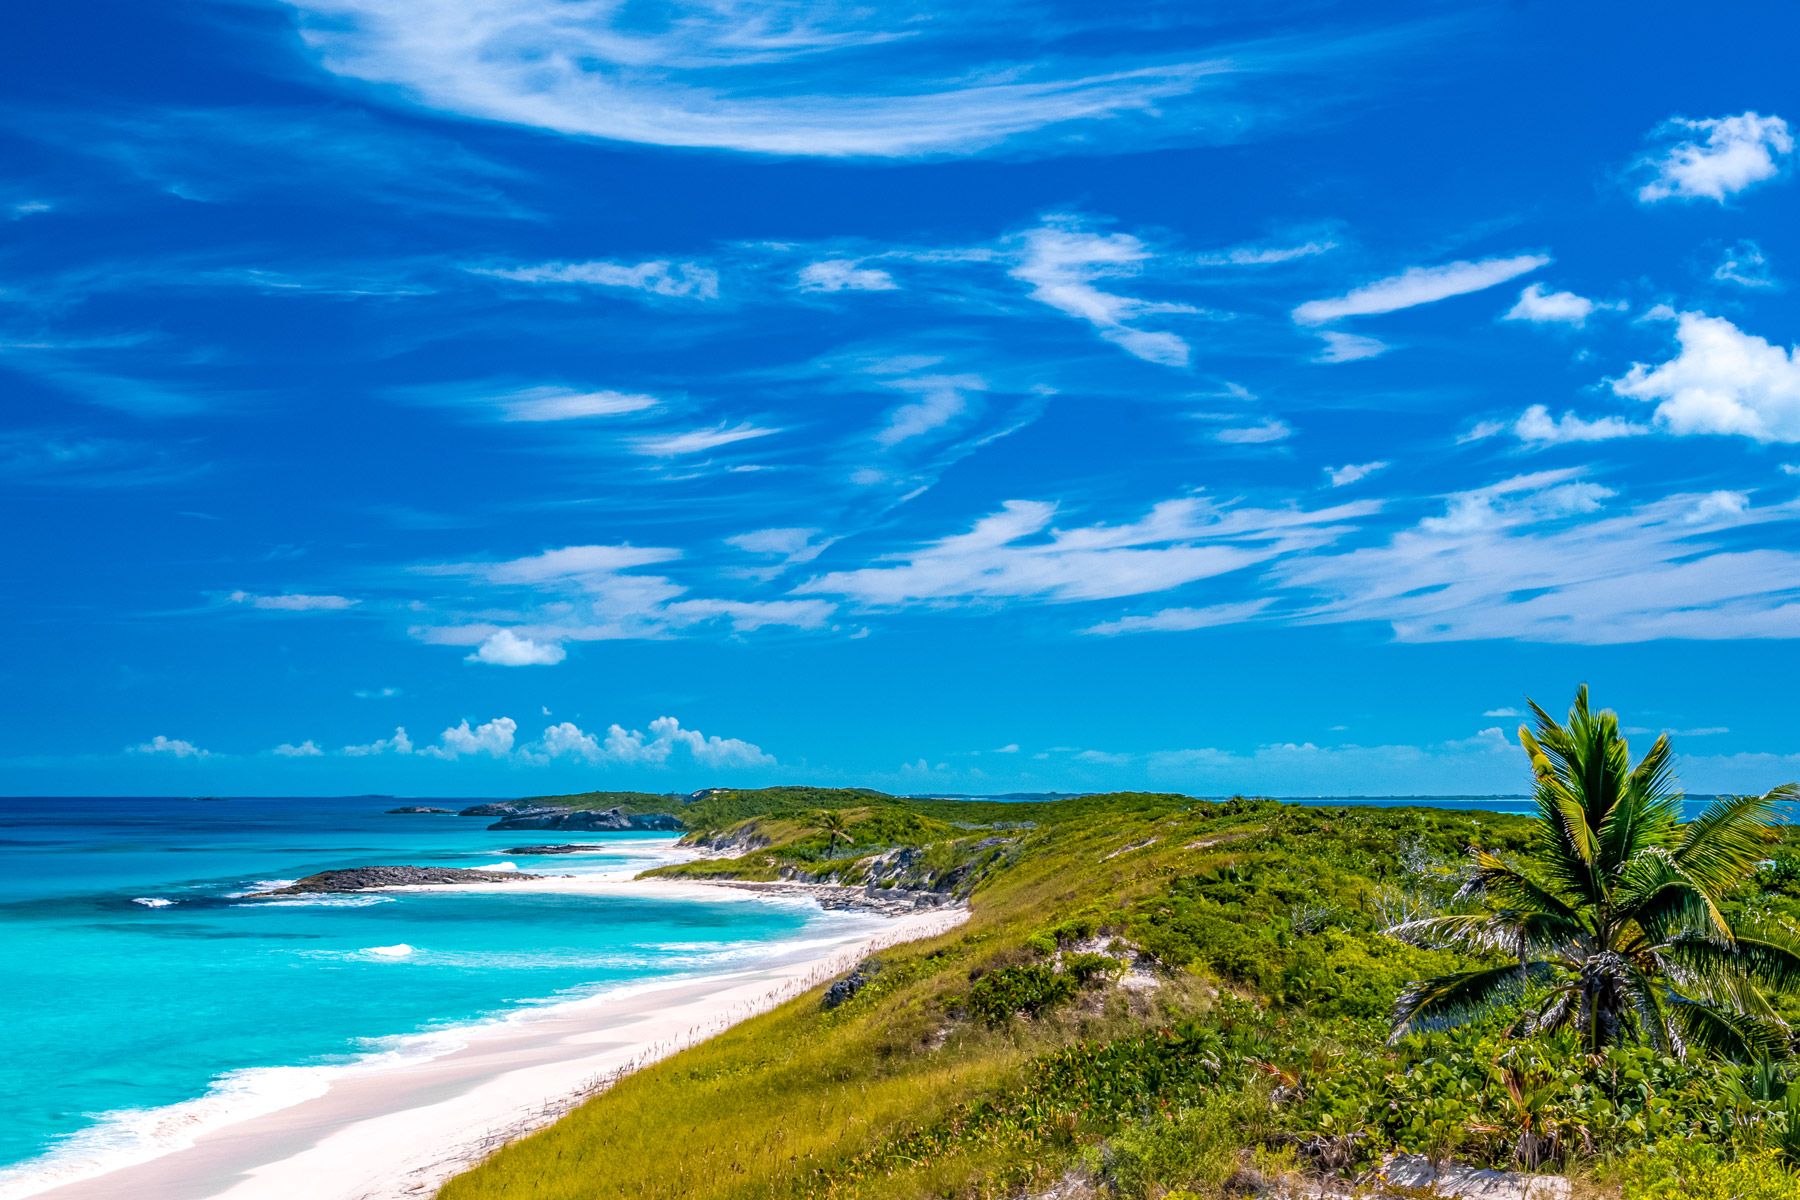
x: 1500, y: 880
x: 1647, y: 810
x: 1769, y: 961
x: 1723, y: 844
x: 1661, y: 898
x: 1454, y: 999
x: 1717, y: 1030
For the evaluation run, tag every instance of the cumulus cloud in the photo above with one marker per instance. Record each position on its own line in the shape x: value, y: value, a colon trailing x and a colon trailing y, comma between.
x: 1536, y: 424
x: 1559, y: 308
x: 844, y: 275
x: 397, y: 744
x: 170, y: 747
x: 1353, y: 472
x: 1723, y: 380
x: 1418, y: 285
x: 1716, y: 158
x: 504, y: 648
x: 1341, y: 347
x: 1064, y: 262
x: 306, y: 749
x: 673, y: 280
x: 294, y: 602
x: 635, y: 747
x: 698, y: 441
x: 493, y: 738
x: 1016, y: 553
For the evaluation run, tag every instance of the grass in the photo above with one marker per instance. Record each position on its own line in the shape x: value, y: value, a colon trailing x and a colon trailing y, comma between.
x: 1001, y: 1057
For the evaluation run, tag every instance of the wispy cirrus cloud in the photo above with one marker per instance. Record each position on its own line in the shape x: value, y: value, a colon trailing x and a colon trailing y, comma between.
x: 658, y: 277
x: 1418, y: 285
x: 1016, y: 553
x: 293, y: 602
x: 1065, y: 262
x: 699, y: 441
x: 821, y: 79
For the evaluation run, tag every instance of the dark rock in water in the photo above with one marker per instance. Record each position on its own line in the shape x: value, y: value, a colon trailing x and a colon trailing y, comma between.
x: 850, y: 984
x: 505, y: 808
x: 567, y: 848
x: 358, y: 879
x: 587, y: 818
x: 416, y: 808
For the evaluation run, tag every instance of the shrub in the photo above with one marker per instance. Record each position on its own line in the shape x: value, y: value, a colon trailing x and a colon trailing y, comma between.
x: 1030, y: 989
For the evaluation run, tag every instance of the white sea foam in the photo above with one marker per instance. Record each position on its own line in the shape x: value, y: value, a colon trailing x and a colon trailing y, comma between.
x: 152, y: 901
x: 499, y: 866
x: 357, y: 901
x: 399, y: 950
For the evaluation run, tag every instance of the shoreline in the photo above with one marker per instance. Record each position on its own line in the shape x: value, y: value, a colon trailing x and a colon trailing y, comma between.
x: 396, y: 1126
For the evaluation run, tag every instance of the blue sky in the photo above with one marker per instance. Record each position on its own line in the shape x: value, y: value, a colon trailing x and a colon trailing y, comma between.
x: 502, y: 396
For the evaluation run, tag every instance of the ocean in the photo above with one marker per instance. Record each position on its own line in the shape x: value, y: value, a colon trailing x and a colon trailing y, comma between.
x: 145, y: 1000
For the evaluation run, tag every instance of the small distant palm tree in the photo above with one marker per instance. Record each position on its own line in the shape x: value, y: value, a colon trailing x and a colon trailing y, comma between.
x: 1613, y: 913
x: 835, y: 826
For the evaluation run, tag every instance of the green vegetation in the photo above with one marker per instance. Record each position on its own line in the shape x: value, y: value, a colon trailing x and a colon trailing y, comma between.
x: 1613, y: 921
x: 1155, y: 996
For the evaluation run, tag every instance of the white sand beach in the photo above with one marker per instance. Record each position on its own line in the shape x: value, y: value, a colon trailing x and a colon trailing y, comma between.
x: 400, y: 1127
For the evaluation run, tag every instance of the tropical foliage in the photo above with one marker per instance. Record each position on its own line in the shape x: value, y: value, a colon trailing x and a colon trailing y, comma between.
x: 1613, y: 920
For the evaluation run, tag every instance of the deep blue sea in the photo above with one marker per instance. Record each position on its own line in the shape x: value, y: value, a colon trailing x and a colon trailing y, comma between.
x: 143, y: 998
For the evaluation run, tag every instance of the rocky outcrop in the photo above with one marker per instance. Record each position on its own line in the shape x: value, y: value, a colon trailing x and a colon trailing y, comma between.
x: 847, y: 987
x: 361, y: 879
x: 566, y: 848
x: 588, y: 819
x: 416, y: 808
x: 506, y: 808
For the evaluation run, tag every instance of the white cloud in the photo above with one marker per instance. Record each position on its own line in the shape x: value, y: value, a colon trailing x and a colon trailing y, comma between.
x: 386, y: 693
x: 1262, y: 256
x: 568, y: 404
x: 844, y: 275
x: 397, y: 744
x: 1481, y: 431
x: 1541, y: 558
x: 1536, y: 424
x: 1418, y: 285
x: 1744, y: 265
x: 294, y: 602
x: 1181, y: 620
x: 1272, y: 429
x: 1718, y: 506
x: 635, y: 747
x: 28, y: 208
x: 941, y: 399
x: 566, y: 563
x: 1723, y: 381
x: 1341, y: 347
x: 1541, y: 307
x: 677, y: 280
x: 696, y: 441
x: 746, y: 615
x: 493, y: 738
x: 1486, y: 761
x: 1502, y: 712
x: 504, y: 648
x: 792, y: 544
x: 1353, y: 472
x: 172, y: 747
x: 812, y: 79
x: 306, y: 749
x: 1718, y: 158
x: 1015, y: 553
x: 1063, y: 261
x: 1009, y: 748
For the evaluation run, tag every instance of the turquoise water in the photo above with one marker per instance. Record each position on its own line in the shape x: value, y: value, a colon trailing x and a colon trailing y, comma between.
x: 143, y: 997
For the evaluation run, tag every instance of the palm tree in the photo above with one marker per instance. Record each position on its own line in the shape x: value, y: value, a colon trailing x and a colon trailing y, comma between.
x: 1613, y: 913
x: 835, y: 826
